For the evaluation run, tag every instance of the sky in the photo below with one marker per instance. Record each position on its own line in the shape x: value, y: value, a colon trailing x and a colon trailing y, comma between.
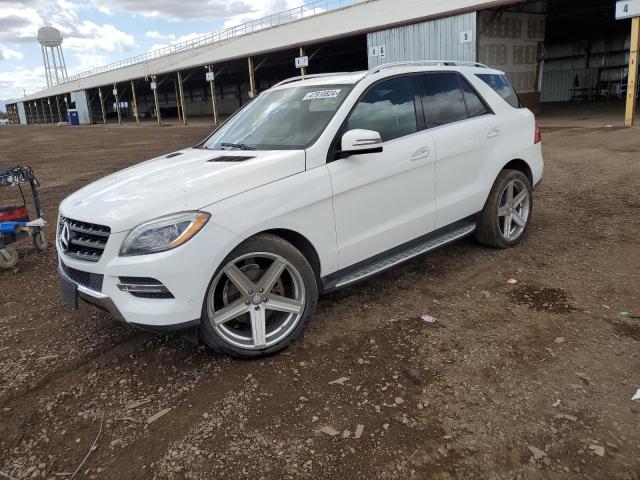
x: 98, y: 32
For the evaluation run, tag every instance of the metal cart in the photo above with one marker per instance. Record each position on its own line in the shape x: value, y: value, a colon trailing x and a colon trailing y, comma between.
x: 15, y: 223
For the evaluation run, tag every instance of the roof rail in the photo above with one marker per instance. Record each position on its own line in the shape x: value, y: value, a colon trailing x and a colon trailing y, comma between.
x: 425, y: 63
x: 315, y: 75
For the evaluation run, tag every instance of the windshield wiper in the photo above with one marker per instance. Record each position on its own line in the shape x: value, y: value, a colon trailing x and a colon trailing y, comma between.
x: 241, y: 146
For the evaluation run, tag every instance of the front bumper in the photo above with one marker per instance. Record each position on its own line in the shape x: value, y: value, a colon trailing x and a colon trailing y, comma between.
x: 91, y: 296
x: 186, y: 272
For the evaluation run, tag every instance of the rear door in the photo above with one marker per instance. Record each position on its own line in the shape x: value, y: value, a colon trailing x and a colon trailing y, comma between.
x: 382, y: 200
x: 465, y: 131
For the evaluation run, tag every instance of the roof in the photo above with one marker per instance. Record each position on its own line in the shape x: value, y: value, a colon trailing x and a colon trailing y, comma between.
x: 362, y: 17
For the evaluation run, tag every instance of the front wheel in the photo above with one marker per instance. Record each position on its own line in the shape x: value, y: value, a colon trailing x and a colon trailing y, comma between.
x: 260, y: 300
x: 507, y: 213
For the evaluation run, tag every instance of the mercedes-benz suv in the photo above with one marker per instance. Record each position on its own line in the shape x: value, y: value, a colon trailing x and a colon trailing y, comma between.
x: 316, y: 184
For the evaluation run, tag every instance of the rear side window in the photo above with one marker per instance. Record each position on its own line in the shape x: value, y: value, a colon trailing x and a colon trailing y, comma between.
x: 388, y: 108
x: 475, y: 105
x: 444, y: 99
x: 502, y: 86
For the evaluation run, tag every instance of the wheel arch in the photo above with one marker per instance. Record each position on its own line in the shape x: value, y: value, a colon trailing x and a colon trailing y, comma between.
x: 521, y: 166
x: 302, y: 243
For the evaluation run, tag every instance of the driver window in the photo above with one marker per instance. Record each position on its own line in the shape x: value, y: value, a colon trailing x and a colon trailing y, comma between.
x: 387, y: 108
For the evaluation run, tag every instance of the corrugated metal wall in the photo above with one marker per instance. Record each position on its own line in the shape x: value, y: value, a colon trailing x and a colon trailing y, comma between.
x: 569, y: 69
x: 433, y: 40
x: 557, y: 85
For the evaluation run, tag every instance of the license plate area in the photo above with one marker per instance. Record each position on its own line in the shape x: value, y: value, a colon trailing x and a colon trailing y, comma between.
x: 69, y: 292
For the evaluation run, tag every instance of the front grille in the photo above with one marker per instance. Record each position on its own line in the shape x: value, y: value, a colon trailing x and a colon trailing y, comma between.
x: 86, y: 241
x: 92, y: 281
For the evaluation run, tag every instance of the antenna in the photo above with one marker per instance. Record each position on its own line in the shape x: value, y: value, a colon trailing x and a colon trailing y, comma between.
x: 50, y: 40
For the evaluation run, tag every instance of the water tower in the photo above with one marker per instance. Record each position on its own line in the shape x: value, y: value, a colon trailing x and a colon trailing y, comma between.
x: 50, y: 41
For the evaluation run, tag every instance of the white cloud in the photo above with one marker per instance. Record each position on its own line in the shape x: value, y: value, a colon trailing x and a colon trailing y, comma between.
x: 153, y: 34
x: 84, y: 41
x: 8, y: 54
x: 21, y: 19
x: 261, y: 10
x: 90, y: 37
x: 14, y: 83
x: 173, y: 40
x: 199, y: 9
x: 87, y: 61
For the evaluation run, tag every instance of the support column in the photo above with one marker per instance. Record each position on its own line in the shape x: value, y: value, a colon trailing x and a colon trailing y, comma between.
x: 44, y: 111
x: 178, y: 104
x: 104, y: 117
x: 303, y: 70
x: 632, y: 84
x: 213, y: 95
x: 181, y: 88
x: 135, y: 102
x: 252, y: 79
x: 115, y: 94
x: 58, y: 108
x: 155, y: 98
x: 53, y: 122
x: 66, y: 106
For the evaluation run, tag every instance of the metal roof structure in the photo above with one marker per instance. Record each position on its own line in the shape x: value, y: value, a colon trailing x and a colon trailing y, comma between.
x: 309, y: 24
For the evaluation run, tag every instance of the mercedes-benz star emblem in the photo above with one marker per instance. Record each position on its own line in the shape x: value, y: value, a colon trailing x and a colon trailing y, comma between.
x: 65, y: 237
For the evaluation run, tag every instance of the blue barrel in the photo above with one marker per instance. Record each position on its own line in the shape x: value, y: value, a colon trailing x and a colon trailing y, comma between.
x: 72, y: 117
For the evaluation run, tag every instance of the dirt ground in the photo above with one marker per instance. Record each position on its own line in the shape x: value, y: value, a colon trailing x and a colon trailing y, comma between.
x: 532, y: 380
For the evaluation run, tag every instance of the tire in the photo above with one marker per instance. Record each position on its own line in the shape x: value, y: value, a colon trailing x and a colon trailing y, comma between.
x: 260, y: 299
x: 40, y: 241
x: 8, y: 258
x: 498, y: 210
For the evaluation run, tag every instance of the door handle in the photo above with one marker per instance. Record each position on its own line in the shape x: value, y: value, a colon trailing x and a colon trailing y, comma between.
x: 420, y: 154
x: 494, y: 132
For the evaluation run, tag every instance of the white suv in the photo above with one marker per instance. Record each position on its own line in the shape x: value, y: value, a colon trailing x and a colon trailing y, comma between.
x: 316, y: 184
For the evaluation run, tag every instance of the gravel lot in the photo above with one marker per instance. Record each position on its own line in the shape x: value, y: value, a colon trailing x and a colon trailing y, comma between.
x: 530, y: 380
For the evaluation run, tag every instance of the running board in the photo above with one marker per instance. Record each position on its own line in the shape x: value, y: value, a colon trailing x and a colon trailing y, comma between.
x: 404, y: 255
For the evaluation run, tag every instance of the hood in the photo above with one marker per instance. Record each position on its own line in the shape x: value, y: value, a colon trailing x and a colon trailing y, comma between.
x: 189, y: 179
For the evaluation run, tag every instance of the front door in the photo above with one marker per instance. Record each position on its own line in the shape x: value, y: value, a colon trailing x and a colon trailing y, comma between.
x: 382, y: 200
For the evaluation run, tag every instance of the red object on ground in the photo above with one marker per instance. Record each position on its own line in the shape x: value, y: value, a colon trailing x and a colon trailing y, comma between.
x: 14, y: 214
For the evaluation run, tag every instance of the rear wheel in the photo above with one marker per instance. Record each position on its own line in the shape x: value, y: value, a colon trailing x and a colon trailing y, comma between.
x: 506, y: 215
x: 260, y: 300
x: 8, y: 257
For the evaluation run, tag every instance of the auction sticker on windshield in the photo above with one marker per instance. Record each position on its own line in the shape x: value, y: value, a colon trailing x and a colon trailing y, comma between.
x: 322, y: 94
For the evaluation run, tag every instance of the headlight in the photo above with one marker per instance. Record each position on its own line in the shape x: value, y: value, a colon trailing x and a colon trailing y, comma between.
x: 164, y: 233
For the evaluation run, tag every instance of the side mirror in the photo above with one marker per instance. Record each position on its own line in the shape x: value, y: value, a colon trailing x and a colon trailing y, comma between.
x: 359, y: 141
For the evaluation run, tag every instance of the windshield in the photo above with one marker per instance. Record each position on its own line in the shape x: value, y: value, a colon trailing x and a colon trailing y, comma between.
x: 288, y: 119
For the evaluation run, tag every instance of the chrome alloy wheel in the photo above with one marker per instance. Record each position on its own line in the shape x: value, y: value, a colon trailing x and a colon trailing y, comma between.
x: 514, y: 209
x: 256, y: 300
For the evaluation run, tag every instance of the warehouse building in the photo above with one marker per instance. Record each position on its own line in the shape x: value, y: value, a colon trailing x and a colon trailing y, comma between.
x: 552, y: 50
